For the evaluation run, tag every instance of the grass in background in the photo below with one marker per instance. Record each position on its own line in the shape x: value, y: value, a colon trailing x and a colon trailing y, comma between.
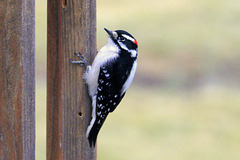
x: 182, y: 105
x: 41, y: 127
x: 160, y: 124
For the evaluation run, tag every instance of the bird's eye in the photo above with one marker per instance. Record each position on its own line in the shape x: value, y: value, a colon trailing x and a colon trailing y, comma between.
x: 121, y: 39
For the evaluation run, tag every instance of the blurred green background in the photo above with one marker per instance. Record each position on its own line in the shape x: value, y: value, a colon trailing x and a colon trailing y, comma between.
x: 184, y: 103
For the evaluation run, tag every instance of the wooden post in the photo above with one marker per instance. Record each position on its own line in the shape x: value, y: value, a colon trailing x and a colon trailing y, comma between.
x: 71, y: 28
x: 17, y: 80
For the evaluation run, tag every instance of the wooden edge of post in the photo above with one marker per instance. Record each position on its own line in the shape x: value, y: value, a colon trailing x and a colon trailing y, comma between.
x: 71, y: 28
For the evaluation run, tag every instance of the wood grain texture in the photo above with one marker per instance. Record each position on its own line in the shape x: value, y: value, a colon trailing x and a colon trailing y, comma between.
x: 17, y: 80
x: 71, y: 28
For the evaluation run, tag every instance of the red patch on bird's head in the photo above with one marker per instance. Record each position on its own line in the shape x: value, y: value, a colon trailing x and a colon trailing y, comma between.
x: 135, y: 41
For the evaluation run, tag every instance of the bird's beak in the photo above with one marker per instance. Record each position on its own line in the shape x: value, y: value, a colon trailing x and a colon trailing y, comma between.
x: 112, y: 34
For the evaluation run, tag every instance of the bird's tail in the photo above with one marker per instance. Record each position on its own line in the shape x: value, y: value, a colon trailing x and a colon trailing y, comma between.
x: 93, y: 131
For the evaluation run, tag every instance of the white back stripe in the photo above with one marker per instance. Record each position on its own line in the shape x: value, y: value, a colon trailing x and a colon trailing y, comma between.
x: 130, y: 78
x: 133, y: 53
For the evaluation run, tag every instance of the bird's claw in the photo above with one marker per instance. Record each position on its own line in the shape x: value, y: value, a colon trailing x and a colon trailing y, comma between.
x: 82, y: 61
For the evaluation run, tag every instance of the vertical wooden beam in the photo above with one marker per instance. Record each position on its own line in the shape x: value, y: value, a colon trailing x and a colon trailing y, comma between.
x: 71, y: 28
x: 17, y: 79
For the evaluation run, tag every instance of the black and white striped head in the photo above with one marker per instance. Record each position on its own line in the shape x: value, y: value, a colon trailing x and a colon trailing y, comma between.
x: 123, y: 40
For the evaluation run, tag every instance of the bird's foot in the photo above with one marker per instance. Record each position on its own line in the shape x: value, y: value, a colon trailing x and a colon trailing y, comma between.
x: 82, y: 61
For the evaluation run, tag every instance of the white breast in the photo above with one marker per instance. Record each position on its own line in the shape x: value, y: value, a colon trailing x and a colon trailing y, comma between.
x: 108, y: 52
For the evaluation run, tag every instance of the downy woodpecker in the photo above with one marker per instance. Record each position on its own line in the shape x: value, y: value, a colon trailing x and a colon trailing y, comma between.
x: 109, y: 77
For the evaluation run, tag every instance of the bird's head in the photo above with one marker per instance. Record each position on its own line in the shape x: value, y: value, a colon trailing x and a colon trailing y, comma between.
x: 124, y: 41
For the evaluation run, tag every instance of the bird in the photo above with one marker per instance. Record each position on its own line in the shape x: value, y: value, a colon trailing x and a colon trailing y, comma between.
x: 109, y: 77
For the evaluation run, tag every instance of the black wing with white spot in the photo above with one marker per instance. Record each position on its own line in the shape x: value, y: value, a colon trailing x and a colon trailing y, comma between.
x: 108, y: 97
x: 109, y: 90
x: 112, y: 77
x: 111, y: 80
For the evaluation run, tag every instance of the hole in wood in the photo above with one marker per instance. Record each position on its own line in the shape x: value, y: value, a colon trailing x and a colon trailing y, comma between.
x: 80, y: 114
x: 64, y: 3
